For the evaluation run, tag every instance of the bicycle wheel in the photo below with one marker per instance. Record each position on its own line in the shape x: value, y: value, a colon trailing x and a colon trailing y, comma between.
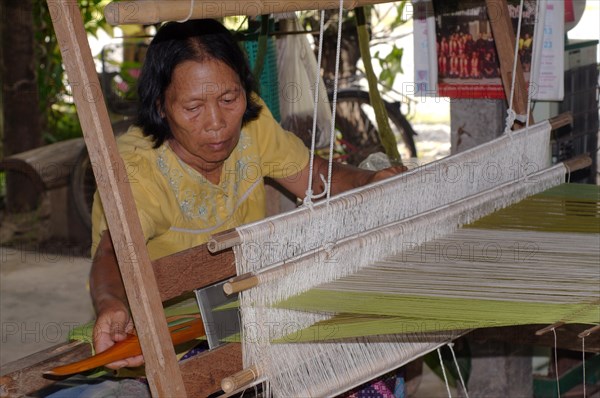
x: 355, y: 120
x: 83, y: 183
x: 83, y: 187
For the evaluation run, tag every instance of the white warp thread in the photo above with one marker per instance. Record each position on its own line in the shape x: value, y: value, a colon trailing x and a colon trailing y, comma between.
x: 281, y: 237
x: 351, y: 254
x: 327, y: 367
x: 371, y: 223
x: 474, y: 263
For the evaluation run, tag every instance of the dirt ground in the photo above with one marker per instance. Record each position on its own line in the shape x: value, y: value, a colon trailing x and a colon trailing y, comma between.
x: 43, y: 295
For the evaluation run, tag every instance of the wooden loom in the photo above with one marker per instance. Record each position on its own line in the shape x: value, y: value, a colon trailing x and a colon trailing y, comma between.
x: 147, y: 283
x: 282, y: 273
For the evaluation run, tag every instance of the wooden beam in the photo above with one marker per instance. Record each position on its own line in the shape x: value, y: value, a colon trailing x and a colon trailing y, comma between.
x: 566, y: 336
x: 192, y: 269
x: 561, y: 120
x: 24, y: 376
x: 504, y: 39
x: 203, y: 372
x: 146, y: 12
x: 134, y: 262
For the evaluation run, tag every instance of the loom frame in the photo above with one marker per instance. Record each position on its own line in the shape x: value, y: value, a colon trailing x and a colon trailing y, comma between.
x: 148, y: 283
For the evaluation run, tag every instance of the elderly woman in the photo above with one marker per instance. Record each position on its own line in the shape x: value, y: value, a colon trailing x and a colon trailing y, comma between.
x: 202, y: 145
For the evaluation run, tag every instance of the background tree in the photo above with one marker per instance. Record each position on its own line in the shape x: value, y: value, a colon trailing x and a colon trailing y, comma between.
x: 59, y: 117
x: 37, y: 106
x: 382, y: 26
x: 21, y: 119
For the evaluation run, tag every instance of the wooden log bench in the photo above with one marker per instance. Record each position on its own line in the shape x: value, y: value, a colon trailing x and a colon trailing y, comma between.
x: 47, y: 167
x: 47, y: 171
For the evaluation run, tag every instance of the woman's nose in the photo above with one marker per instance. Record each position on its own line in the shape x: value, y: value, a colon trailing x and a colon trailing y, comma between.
x: 216, y: 118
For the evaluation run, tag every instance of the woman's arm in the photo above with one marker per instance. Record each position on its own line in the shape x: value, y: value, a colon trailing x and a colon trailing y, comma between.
x: 113, y: 321
x: 344, y: 177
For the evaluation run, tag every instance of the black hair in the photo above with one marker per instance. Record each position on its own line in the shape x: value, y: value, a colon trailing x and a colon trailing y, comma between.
x: 195, y: 40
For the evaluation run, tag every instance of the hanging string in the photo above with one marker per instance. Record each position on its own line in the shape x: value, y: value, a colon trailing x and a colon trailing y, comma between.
x: 556, y: 363
x: 189, y: 13
x: 583, y: 363
x: 334, y: 103
x: 462, y: 381
x: 511, y: 115
x: 444, y: 373
x: 309, y: 191
x: 540, y: 12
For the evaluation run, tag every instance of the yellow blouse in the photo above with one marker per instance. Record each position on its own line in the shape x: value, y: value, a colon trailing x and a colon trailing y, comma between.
x: 179, y: 208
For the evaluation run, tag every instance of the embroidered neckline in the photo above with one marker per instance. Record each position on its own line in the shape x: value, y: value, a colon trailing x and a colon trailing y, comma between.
x: 200, y: 203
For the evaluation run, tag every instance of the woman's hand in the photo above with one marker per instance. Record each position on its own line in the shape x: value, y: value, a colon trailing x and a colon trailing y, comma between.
x: 113, y: 321
x: 387, y: 173
x: 344, y: 177
x: 113, y: 324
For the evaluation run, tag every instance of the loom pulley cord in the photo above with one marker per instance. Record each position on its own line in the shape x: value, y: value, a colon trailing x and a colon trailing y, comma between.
x: 511, y: 116
x: 309, y: 195
x: 338, y: 49
x: 189, y: 15
x: 308, y: 200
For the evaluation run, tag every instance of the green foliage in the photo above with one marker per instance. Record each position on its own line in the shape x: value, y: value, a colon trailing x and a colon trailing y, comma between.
x: 55, y: 96
x: 63, y: 123
x: 391, y: 65
x: 382, y: 21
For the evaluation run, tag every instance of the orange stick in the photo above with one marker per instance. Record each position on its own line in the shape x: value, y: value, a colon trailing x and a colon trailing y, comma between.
x: 129, y: 347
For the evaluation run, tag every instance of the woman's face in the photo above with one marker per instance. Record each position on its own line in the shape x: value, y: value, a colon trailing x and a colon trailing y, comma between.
x: 204, y: 105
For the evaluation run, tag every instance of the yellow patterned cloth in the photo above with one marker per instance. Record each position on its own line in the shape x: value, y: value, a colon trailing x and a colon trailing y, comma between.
x: 179, y: 208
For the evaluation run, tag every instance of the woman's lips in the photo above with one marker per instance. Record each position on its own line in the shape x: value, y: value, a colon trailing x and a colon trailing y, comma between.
x: 217, y: 146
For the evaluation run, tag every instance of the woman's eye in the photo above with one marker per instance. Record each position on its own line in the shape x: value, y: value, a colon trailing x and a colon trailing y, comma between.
x: 192, y: 109
x: 228, y: 99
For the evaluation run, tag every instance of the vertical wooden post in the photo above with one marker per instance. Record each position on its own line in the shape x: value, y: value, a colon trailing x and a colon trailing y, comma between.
x: 162, y: 369
x: 504, y: 38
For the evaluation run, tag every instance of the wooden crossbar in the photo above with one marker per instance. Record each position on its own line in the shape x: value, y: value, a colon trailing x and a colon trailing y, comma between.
x: 146, y: 12
x: 191, y: 269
